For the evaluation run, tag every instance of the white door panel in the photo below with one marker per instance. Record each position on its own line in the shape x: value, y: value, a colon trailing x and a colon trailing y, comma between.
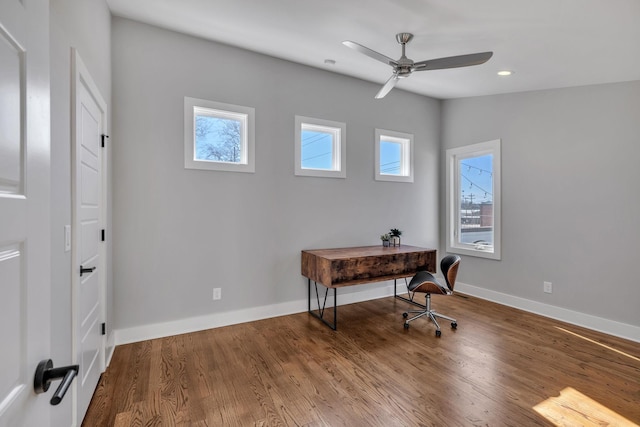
x: 90, y: 183
x: 89, y: 294
x: 10, y: 148
x: 87, y: 194
x: 89, y: 229
x: 24, y: 209
x: 91, y: 345
x: 12, y: 317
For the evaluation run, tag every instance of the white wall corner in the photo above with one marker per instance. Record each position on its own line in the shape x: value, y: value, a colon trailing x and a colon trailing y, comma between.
x: 577, y: 318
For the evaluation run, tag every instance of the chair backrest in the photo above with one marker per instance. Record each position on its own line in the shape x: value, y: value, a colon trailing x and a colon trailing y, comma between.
x: 449, y: 267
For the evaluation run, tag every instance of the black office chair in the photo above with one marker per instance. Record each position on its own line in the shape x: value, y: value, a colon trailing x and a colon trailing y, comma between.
x: 425, y: 282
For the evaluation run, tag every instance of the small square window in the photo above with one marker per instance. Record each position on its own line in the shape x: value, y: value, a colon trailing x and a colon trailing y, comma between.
x: 394, y: 156
x: 218, y: 136
x: 320, y: 148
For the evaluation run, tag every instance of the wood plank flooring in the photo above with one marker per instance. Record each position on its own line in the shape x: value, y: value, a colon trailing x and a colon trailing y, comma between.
x: 501, y: 367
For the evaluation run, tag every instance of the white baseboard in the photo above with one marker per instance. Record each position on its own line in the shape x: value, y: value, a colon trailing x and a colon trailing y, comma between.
x: 111, y: 346
x: 611, y: 327
x: 216, y: 320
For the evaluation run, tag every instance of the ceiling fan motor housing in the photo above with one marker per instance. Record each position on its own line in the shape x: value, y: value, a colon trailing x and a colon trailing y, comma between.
x: 404, y: 68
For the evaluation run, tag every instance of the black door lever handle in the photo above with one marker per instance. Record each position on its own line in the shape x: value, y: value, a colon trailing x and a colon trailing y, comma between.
x: 45, y: 373
x: 86, y: 270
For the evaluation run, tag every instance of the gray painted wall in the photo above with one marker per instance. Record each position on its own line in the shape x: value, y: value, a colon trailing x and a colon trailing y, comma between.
x: 569, y: 182
x: 85, y: 25
x: 179, y: 233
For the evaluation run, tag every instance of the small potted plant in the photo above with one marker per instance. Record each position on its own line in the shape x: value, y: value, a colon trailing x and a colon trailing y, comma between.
x: 395, y: 234
x: 385, y: 239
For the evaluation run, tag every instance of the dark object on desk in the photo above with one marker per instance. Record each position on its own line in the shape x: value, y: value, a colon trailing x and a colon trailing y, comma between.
x: 425, y: 282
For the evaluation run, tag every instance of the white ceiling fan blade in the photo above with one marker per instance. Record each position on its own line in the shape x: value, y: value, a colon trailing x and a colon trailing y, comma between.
x: 388, y: 86
x: 370, y: 53
x: 453, y: 61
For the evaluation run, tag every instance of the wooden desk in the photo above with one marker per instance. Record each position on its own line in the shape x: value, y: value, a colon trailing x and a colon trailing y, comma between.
x: 335, y: 268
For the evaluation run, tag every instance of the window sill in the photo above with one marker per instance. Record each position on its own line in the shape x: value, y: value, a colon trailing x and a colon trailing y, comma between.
x: 479, y: 253
x: 318, y: 173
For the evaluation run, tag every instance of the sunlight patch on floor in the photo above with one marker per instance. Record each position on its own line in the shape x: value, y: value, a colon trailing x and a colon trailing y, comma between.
x: 573, y: 408
x: 598, y: 343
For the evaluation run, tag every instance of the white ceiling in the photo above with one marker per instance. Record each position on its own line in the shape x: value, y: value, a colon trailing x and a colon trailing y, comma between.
x: 547, y: 43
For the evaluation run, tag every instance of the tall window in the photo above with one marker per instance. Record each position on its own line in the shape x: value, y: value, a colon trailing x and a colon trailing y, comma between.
x: 320, y: 148
x: 218, y: 136
x: 473, y: 200
x: 394, y: 156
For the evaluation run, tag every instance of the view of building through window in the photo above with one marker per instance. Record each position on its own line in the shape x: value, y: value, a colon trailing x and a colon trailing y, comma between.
x: 217, y: 139
x: 476, y: 200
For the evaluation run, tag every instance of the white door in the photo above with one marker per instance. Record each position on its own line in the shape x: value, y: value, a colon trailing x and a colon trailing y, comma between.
x: 89, y: 121
x: 25, y: 267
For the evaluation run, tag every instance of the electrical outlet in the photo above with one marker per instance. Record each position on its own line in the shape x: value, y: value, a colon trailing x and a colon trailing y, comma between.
x: 547, y: 287
x: 217, y: 293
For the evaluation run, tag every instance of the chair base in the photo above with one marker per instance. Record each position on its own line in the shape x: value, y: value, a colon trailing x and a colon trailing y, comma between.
x: 432, y: 314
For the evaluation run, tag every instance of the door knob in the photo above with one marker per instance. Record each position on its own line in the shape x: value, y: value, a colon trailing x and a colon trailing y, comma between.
x: 86, y: 270
x: 45, y: 373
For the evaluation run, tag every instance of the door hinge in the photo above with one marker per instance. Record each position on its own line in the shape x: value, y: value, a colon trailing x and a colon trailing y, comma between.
x: 102, y: 234
x: 104, y: 329
x: 103, y: 139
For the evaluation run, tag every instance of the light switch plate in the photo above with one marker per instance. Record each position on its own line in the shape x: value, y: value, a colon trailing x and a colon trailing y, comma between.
x: 67, y: 238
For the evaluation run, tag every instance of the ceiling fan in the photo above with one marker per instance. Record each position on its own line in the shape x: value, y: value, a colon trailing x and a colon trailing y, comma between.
x: 404, y: 66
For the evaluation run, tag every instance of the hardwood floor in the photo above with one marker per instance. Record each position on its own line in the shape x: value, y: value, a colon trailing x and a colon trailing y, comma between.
x: 501, y: 367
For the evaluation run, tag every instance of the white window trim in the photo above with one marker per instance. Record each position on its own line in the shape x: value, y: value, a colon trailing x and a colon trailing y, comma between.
x: 236, y: 112
x: 339, y: 131
x: 406, y: 139
x: 452, y: 201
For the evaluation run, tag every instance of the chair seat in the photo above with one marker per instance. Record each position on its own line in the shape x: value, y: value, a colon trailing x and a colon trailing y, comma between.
x: 426, y: 282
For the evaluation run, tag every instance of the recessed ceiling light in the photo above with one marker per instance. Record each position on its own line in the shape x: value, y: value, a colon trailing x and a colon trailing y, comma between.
x: 505, y: 73
x: 330, y: 62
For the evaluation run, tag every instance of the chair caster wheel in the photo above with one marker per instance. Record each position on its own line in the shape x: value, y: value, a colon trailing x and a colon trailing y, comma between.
x: 454, y: 325
x: 405, y: 315
x: 406, y: 325
x: 438, y: 333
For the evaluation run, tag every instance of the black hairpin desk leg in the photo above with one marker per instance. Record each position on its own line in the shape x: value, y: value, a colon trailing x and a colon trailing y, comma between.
x: 410, y: 299
x: 319, y: 313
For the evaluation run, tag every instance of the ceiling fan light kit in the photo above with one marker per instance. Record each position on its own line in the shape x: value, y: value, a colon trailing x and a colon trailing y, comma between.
x: 404, y: 66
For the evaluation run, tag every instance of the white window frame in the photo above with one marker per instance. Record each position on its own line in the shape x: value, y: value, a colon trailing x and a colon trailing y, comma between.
x: 338, y: 130
x: 406, y: 156
x: 246, y: 116
x: 453, y: 156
